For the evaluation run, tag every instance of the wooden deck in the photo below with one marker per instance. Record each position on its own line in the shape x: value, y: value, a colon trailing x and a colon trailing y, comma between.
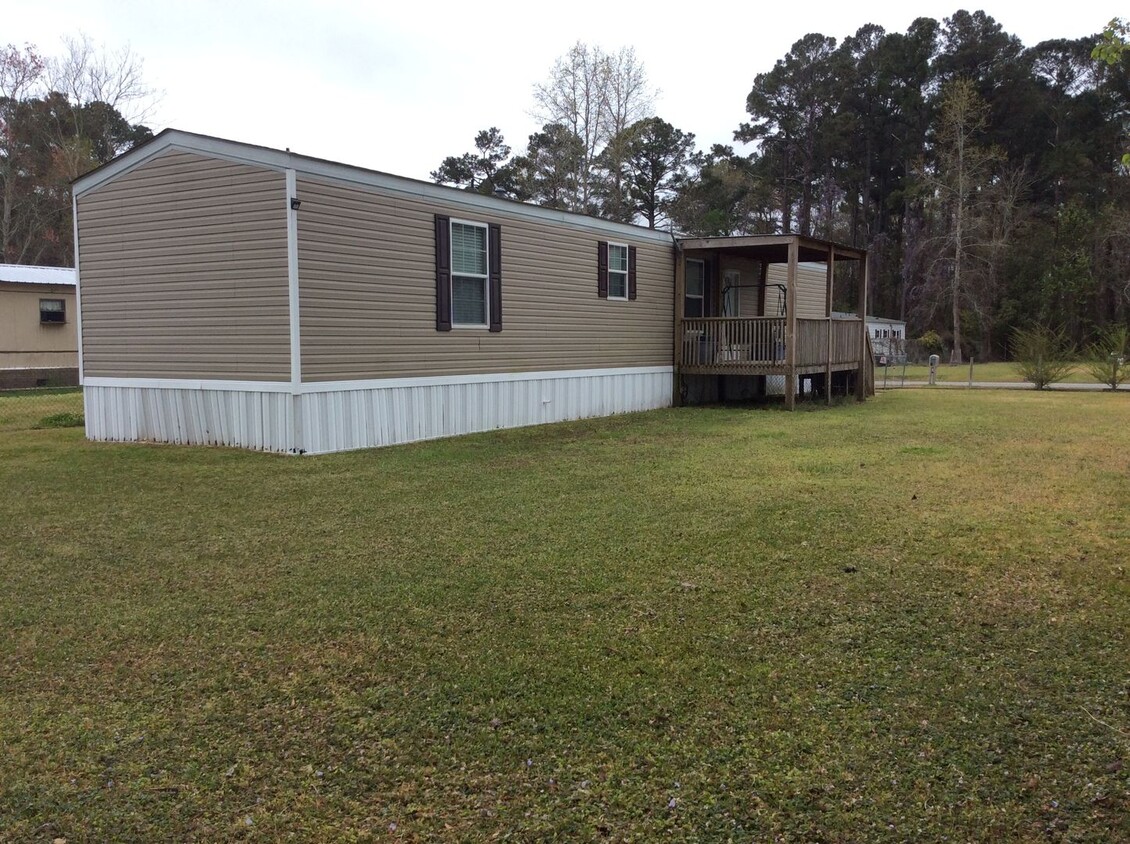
x: 758, y: 346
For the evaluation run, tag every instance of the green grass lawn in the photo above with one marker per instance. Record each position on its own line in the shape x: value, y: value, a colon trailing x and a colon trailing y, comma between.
x: 40, y: 408
x: 999, y: 371
x: 899, y: 621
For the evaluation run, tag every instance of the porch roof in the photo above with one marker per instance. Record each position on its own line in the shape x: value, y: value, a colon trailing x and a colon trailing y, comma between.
x: 774, y: 248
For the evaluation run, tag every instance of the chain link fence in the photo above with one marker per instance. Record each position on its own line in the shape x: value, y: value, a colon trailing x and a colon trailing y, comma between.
x: 51, y: 407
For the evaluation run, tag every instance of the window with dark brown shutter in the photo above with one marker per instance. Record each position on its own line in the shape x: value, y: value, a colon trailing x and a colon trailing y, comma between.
x: 468, y: 274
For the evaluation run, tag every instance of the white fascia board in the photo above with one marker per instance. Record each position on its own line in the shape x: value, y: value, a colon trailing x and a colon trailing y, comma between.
x: 369, y: 384
x: 444, y: 195
x: 23, y: 274
x: 279, y: 160
x: 190, y: 384
x: 477, y: 378
x: 183, y: 142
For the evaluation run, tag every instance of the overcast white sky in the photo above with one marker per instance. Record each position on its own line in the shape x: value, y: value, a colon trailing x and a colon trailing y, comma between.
x: 396, y: 87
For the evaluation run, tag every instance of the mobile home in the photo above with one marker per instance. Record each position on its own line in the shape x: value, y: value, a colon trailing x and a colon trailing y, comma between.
x: 38, y: 335
x: 240, y: 295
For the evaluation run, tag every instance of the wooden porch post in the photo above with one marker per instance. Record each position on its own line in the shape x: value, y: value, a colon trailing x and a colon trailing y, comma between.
x: 828, y: 316
x: 764, y: 279
x: 679, y: 311
x: 790, y: 325
x: 860, y: 386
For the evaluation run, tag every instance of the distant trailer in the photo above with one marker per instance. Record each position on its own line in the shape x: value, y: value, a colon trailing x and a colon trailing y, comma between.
x: 38, y: 336
x: 888, y: 339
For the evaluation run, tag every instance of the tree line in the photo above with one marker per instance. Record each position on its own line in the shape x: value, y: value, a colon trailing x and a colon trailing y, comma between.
x: 60, y: 117
x: 985, y: 177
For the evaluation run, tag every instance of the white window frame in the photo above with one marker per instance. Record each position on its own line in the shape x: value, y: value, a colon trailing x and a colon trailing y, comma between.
x: 624, y: 272
x: 700, y: 296
x: 485, y: 277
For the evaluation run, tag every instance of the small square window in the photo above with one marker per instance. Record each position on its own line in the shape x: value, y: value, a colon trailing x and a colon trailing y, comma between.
x: 52, y: 310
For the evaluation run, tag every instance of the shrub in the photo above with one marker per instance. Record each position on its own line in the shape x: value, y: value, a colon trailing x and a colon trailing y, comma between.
x: 1108, y: 359
x: 1042, y: 355
x: 62, y: 420
x: 931, y: 343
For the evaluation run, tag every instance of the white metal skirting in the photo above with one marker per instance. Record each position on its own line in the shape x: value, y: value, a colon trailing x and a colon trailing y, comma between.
x: 363, y: 418
x: 259, y: 420
x: 322, y: 419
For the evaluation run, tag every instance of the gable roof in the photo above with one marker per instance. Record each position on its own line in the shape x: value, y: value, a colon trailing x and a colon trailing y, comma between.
x: 283, y: 160
x: 23, y: 274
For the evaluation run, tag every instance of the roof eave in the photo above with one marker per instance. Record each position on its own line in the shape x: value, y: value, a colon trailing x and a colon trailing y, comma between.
x: 285, y: 160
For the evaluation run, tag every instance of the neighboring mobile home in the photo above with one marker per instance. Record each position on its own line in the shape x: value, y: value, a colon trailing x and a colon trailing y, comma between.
x: 38, y: 338
x: 240, y: 295
x: 888, y: 338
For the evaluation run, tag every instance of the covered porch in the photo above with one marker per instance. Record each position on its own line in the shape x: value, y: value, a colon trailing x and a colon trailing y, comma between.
x: 761, y: 307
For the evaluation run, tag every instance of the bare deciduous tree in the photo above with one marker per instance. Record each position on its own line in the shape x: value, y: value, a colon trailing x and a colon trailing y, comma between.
x: 595, y: 95
x: 975, y: 210
x: 59, y: 118
x: 89, y: 73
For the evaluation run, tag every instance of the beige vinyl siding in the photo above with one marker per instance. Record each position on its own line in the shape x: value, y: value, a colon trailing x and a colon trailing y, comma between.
x: 749, y: 294
x: 366, y: 264
x: 811, y: 290
x: 183, y: 272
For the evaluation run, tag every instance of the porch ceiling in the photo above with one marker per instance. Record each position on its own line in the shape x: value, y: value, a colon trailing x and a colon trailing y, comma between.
x: 773, y: 249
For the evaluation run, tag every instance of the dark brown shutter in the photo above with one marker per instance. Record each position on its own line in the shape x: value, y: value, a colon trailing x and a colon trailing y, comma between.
x: 443, y: 273
x: 494, y: 256
x: 602, y: 269
x: 631, y: 272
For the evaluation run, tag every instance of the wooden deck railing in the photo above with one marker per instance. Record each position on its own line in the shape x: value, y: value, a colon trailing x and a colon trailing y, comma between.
x: 733, y: 344
x: 731, y: 341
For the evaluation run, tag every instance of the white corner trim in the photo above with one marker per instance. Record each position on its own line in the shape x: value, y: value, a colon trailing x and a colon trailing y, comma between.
x: 292, y: 309
x: 292, y: 278
x: 78, y: 292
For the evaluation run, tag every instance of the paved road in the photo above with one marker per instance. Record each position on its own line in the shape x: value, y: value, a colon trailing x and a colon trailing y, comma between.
x: 895, y: 384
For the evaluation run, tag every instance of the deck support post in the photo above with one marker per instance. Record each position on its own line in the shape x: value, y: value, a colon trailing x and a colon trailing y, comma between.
x: 763, y: 279
x: 828, y: 316
x: 861, y: 381
x: 790, y: 325
x: 679, y: 310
